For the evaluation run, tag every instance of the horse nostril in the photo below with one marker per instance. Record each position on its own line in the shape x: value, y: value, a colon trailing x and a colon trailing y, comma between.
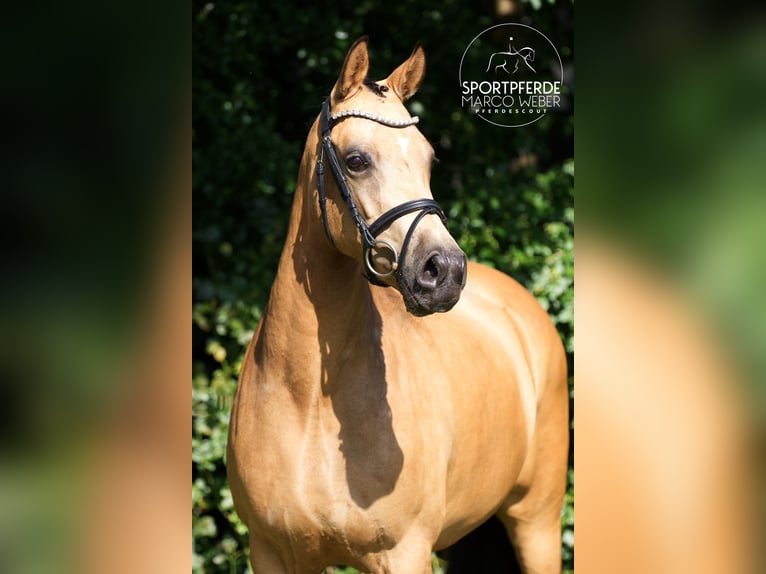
x: 431, y: 268
x: 442, y: 269
x: 432, y: 273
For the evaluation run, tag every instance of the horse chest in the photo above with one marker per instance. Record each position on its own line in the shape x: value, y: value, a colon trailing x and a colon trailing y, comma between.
x: 320, y: 497
x: 331, y: 477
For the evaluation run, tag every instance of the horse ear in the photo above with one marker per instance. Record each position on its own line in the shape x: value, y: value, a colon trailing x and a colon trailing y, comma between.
x: 405, y: 80
x: 354, y: 71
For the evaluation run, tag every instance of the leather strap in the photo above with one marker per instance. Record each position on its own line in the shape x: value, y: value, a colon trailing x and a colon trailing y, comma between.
x: 368, y: 234
x: 384, y: 221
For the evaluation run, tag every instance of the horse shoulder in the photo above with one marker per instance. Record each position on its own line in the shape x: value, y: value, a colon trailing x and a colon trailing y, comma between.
x: 512, y: 314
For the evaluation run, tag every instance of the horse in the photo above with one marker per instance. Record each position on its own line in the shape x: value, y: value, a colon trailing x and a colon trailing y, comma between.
x: 525, y: 55
x: 394, y: 396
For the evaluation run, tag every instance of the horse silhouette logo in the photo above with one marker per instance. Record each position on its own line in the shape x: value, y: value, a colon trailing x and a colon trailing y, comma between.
x: 511, y: 75
x: 525, y: 55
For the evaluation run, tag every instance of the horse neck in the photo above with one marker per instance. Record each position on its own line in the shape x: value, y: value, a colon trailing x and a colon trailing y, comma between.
x: 320, y: 309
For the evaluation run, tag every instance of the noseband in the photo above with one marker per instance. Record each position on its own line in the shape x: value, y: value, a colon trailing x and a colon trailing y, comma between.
x: 370, y: 232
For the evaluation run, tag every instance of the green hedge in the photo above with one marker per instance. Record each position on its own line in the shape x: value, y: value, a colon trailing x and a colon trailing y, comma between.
x: 260, y: 72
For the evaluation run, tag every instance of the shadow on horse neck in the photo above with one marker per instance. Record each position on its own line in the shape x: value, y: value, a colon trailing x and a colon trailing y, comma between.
x: 353, y: 365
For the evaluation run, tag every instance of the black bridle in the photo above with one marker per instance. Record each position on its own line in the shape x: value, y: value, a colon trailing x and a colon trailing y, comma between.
x: 370, y: 232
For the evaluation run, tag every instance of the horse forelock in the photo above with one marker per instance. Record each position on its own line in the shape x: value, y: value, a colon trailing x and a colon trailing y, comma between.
x: 374, y: 87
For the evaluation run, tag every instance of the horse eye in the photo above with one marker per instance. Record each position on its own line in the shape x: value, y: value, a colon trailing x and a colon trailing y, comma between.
x: 356, y: 162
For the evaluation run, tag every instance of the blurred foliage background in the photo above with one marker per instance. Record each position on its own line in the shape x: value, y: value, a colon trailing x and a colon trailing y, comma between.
x: 260, y: 74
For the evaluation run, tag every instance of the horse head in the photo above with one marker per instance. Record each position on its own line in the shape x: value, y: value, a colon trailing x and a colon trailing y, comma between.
x: 378, y: 207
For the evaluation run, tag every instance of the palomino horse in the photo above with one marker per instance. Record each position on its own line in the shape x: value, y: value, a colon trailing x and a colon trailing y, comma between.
x: 373, y: 425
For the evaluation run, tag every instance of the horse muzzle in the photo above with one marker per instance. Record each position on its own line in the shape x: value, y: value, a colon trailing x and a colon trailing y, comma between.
x: 434, y: 282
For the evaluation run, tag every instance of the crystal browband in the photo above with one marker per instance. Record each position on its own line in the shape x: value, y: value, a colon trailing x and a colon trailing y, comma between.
x: 367, y: 115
